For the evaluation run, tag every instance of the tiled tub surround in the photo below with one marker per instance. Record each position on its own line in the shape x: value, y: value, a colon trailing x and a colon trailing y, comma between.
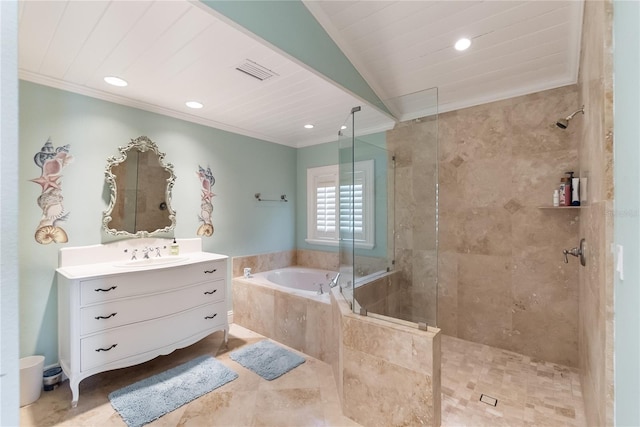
x: 294, y: 320
x: 262, y: 262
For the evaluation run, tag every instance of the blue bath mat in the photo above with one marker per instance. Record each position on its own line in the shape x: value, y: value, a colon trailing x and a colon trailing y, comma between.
x: 149, y: 399
x: 267, y: 359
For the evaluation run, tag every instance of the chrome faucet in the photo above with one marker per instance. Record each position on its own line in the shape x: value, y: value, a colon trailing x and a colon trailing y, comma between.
x: 333, y: 282
x: 133, y: 255
x: 146, y: 251
x: 158, y: 252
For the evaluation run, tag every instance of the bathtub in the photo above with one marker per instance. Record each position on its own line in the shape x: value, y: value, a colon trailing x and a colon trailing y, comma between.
x: 301, y: 281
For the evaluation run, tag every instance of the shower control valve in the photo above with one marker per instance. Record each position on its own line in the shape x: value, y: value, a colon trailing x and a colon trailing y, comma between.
x: 578, y: 252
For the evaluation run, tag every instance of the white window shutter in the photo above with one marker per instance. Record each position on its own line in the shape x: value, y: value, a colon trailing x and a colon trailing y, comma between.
x: 344, y: 209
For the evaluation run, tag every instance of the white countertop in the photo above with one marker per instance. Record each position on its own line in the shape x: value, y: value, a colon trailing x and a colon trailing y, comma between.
x: 109, y: 268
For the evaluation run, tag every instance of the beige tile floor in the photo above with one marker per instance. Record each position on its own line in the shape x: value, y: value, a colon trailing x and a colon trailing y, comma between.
x: 305, y: 396
x: 529, y: 392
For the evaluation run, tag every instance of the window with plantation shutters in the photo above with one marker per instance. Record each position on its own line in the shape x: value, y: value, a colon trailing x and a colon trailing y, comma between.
x: 336, y: 209
x: 326, y: 207
x: 352, y: 210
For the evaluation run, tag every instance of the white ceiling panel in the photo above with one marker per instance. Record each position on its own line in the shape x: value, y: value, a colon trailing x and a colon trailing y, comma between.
x: 118, y: 19
x: 404, y: 47
x: 174, y: 51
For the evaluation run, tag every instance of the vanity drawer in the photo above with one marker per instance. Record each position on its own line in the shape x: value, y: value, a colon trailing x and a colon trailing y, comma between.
x: 150, y: 281
x: 131, y: 340
x: 99, y: 317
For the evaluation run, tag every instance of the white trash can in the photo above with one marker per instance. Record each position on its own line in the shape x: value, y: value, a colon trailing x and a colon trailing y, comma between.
x: 31, y: 369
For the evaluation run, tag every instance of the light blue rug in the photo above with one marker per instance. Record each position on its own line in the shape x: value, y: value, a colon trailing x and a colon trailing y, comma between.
x: 149, y: 399
x: 267, y: 359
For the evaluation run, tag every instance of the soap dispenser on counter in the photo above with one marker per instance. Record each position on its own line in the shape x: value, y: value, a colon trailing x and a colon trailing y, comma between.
x: 175, y: 248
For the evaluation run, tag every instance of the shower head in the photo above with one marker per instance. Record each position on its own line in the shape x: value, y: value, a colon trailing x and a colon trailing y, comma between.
x: 564, y: 123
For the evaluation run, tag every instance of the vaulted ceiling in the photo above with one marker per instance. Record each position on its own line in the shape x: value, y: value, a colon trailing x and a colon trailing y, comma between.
x: 174, y: 51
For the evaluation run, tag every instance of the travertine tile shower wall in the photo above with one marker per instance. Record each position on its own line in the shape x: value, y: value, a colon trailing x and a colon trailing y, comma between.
x: 595, y: 341
x: 502, y: 278
x: 416, y: 176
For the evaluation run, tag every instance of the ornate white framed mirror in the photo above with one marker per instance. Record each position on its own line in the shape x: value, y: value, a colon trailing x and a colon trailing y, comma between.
x: 141, y: 183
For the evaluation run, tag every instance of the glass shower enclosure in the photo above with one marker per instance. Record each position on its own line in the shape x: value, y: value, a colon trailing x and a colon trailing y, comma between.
x: 388, y: 220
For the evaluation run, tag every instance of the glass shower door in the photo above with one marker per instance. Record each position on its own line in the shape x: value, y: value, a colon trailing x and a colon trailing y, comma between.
x: 346, y: 246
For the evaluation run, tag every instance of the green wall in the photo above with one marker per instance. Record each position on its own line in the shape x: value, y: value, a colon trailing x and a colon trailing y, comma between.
x: 627, y: 210
x: 367, y: 147
x: 241, y: 165
x: 94, y: 129
x: 310, y: 157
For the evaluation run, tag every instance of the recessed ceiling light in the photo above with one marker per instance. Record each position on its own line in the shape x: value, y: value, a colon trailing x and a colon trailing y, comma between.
x: 308, y: 126
x: 462, y: 44
x: 115, y: 81
x: 194, y: 104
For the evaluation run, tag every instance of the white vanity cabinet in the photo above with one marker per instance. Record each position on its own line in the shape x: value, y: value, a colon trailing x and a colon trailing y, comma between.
x: 109, y: 319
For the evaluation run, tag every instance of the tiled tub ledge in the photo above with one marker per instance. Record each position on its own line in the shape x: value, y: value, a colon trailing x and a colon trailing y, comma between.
x: 296, y: 321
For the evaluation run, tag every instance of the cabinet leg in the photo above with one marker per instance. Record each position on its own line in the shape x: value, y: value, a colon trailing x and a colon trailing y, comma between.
x: 75, y: 392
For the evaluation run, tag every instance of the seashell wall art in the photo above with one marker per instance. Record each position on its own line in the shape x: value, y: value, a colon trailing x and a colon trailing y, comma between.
x: 206, y: 207
x: 51, y: 161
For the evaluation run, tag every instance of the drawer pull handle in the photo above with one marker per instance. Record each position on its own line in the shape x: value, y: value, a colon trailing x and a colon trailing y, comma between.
x: 105, y: 349
x: 211, y: 317
x: 105, y: 317
x: 211, y: 271
x: 211, y: 292
x: 105, y: 290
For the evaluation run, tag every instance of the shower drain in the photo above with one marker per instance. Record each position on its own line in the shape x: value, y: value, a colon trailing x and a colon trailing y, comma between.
x: 488, y: 400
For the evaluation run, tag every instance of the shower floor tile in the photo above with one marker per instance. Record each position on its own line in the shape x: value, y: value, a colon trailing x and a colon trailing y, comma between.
x: 529, y: 392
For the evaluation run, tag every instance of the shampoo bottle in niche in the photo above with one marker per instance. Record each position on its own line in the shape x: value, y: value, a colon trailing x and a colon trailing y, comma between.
x: 565, y: 192
x: 556, y: 198
x: 575, y: 191
x: 567, y: 189
x: 175, y: 248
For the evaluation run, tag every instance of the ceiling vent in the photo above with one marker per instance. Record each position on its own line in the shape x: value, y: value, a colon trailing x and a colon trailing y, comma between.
x: 256, y: 70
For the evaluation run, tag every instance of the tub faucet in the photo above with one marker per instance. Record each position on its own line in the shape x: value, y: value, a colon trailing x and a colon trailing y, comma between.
x: 334, y: 282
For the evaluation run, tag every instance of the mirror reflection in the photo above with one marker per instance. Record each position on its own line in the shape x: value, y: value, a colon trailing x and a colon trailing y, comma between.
x: 141, y: 185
